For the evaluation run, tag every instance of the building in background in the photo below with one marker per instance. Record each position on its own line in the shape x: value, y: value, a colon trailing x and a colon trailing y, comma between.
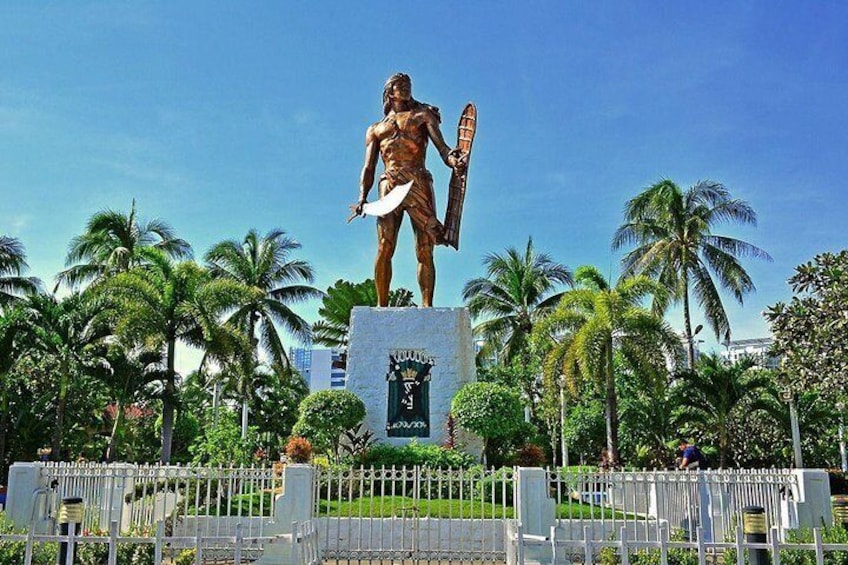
x: 323, y: 369
x: 756, y: 348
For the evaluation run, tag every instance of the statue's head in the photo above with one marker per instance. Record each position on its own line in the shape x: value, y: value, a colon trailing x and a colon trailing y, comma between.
x: 399, y: 84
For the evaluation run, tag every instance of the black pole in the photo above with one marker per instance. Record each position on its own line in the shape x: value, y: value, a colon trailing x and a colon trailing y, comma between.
x: 70, y: 516
x: 840, y: 509
x: 755, y: 530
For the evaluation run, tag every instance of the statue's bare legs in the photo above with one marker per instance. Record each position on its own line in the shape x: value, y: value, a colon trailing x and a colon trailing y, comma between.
x: 426, y: 271
x: 387, y: 231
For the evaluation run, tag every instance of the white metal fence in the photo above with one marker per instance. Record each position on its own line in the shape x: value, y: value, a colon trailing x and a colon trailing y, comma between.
x: 405, y: 513
x: 190, y: 500
x: 689, y: 503
x: 523, y: 548
x: 164, y: 548
x: 414, y: 513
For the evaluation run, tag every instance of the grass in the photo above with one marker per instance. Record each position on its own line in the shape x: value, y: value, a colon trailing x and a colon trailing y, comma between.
x: 402, y: 506
x: 399, y: 506
x: 392, y: 506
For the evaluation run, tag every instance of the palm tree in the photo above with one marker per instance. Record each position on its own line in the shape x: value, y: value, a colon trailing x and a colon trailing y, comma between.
x: 338, y: 303
x: 672, y: 231
x: 518, y: 289
x: 711, y: 395
x: 112, y: 243
x: 162, y: 303
x: 130, y: 372
x: 262, y: 264
x: 12, y: 327
x: 63, y: 337
x: 594, y: 321
x: 12, y: 266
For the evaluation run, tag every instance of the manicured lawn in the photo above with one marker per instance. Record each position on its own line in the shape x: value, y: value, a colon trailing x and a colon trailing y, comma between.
x: 391, y: 506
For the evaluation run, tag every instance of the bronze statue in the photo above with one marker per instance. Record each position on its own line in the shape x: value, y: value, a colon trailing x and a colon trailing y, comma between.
x: 401, y: 138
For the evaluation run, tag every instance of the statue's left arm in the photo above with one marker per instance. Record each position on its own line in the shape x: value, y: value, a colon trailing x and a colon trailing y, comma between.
x: 453, y: 158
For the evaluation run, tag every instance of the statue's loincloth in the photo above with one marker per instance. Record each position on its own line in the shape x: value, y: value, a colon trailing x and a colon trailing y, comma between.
x: 420, y: 202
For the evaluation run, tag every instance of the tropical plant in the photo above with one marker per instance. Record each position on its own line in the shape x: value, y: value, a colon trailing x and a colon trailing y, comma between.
x: 12, y: 326
x: 675, y: 244
x: 809, y: 331
x: 519, y: 288
x: 223, y: 444
x: 488, y: 410
x: 594, y: 321
x: 131, y: 372
x: 332, y: 330
x: 649, y: 427
x: 263, y: 264
x: 325, y: 415
x: 13, y: 265
x: 62, y: 340
x: 112, y: 243
x: 709, y: 397
x: 164, y: 302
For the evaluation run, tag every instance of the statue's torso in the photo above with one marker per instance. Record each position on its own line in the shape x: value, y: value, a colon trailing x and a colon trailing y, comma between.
x: 403, y: 139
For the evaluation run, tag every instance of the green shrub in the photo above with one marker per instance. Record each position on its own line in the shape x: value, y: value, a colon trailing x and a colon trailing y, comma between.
x: 186, y: 557
x: 414, y: 453
x: 12, y: 552
x: 836, y: 534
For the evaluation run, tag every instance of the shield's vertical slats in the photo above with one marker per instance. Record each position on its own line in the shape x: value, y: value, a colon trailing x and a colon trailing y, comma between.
x: 456, y: 190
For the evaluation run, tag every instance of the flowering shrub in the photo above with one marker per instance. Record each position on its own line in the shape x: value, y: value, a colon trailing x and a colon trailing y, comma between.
x: 299, y: 450
x: 529, y: 455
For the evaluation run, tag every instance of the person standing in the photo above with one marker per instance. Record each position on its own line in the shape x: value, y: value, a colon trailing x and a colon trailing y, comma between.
x: 691, y: 457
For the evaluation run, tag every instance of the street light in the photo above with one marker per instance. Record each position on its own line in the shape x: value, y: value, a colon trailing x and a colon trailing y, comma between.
x: 840, y: 406
x: 789, y: 397
x: 563, y: 444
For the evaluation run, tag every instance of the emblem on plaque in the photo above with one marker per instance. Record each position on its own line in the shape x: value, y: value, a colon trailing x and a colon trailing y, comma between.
x: 409, y: 393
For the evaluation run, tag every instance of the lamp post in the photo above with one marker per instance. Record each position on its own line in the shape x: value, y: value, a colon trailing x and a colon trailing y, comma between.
x: 840, y: 406
x: 563, y: 443
x: 789, y: 398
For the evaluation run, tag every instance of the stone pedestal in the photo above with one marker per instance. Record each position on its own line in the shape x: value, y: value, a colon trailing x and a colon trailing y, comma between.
x: 406, y: 364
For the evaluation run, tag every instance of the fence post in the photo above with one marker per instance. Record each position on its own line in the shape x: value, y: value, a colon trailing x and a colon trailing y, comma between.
x: 664, y: 544
x: 625, y: 553
x: 24, y: 480
x: 239, y: 541
x: 157, y: 548
x: 536, y: 509
x: 295, y: 554
x: 702, y: 548
x: 29, y: 543
x: 587, y: 545
x: 113, y: 543
x: 817, y: 539
x: 775, y: 545
x: 740, y: 549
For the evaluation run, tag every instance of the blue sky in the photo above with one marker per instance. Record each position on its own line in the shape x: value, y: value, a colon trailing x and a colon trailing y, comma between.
x: 219, y: 117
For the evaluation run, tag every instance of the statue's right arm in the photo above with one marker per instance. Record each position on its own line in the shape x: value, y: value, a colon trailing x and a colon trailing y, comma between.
x: 366, y: 181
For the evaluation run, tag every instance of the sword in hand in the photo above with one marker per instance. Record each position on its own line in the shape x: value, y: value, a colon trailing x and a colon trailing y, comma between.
x: 383, y: 206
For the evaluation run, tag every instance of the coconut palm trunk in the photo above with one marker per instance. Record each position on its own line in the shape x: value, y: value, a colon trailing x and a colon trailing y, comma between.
x: 4, y: 428
x: 112, y: 448
x: 611, y: 409
x: 168, y: 403
x: 61, y: 407
x: 687, y: 327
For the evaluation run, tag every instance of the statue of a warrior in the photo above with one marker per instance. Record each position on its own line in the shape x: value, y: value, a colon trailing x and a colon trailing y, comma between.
x: 401, y: 138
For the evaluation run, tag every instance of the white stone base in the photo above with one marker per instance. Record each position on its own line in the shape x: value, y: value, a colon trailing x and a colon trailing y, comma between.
x: 443, y: 334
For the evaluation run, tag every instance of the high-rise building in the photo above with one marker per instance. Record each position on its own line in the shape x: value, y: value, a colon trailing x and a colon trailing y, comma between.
x: 756, y: 348
x: 323, y: 369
